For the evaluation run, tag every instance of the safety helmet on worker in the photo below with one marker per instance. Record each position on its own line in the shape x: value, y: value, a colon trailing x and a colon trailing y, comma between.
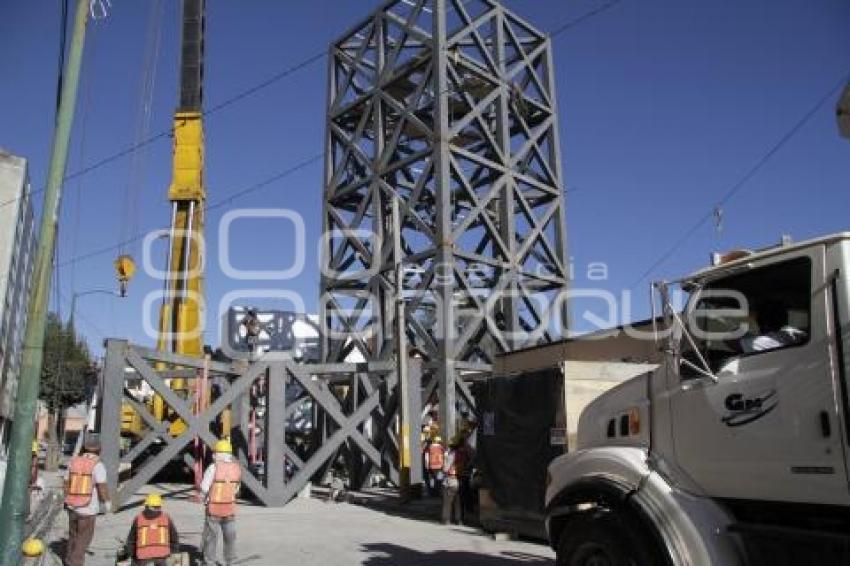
x: 153, y: 500
x: 223, y: 446
x: 32, y: 547
x: 438, y: 439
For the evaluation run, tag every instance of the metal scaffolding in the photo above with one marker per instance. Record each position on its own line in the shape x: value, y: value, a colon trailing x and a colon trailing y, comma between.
x: 356, y: 399
x: 444, y: 245
x: 443, y: 201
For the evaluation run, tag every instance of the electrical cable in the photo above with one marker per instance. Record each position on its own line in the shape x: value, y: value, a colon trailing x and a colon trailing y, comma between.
x: 558, y: 30
x: 227, y: 200
x: 569, y: 24
x: 737, y: 186
x: 284, y: 73
x: 170, y: 131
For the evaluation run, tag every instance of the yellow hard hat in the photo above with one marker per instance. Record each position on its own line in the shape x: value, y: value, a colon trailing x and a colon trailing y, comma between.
x: 224, y: 446
x: 438, y: 439
x: 153, y: 500
x: 32, y: 547
x: 35, y: 447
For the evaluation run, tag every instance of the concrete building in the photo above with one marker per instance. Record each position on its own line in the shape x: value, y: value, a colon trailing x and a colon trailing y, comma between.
x: 17, y: 250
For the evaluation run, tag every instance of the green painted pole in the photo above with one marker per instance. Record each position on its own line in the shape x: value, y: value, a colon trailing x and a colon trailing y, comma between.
x: 16, y: 486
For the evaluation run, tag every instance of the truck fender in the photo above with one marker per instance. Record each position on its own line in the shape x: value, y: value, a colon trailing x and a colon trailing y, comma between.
x: 691, y: 529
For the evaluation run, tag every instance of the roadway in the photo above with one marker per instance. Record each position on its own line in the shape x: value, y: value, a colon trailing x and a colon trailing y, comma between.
x: 310, y: 532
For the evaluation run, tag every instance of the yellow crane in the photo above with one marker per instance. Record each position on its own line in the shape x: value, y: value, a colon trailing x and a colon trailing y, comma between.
x: 180, y: 315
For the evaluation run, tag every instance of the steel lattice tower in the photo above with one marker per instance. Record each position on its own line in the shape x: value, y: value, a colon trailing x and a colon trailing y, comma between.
x: 443, y: 189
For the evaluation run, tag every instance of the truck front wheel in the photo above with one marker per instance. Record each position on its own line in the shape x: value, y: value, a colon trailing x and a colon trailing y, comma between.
x: 604, y: 538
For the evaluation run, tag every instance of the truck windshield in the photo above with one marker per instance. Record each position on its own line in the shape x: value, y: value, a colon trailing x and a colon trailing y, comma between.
x: 751, y: 312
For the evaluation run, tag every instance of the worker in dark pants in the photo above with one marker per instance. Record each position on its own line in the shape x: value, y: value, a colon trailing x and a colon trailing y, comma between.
x: 452, y: 465
x: 86, y: 495
x: 153, y: 537
x: 466, y: 491
x: 219, y: 488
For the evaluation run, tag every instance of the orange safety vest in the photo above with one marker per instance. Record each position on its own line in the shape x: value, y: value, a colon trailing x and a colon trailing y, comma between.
x: 435, y: 456
x: 153, y: 537
x: 222, y: 499
x: 80, y: 480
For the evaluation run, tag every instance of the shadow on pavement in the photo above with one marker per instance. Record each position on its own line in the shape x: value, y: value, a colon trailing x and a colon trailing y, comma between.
x: 58, y: 547
x: 383, y: 554
x: 175, y: 493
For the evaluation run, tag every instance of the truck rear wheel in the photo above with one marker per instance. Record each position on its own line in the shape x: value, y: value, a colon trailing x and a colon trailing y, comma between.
x: 604, y: 538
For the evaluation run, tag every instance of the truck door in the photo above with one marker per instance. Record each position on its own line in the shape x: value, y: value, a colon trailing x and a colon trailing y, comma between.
x: 768, y: 428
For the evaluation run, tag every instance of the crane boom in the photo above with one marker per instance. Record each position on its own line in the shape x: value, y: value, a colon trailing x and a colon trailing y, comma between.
x: 180, y: 323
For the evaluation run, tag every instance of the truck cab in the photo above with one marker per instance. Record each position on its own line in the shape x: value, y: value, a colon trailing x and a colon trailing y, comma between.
x: 734, y: 450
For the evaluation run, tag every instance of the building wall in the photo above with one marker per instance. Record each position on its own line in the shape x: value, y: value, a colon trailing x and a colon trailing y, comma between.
x: 17, y: 248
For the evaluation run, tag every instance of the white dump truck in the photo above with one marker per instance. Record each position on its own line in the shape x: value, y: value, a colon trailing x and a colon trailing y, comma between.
x: 735, y: 450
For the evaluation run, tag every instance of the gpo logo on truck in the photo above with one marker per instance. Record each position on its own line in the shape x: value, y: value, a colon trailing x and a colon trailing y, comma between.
x: 744, y: 410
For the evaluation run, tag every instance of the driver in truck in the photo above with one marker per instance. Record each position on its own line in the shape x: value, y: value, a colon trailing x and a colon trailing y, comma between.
x: 773, y: 330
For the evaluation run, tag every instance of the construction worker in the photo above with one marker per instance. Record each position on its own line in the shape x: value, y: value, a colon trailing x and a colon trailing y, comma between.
x: 34, y: 465
x: 219, y: 489
x: 36, y: 482
x: 455, y: 465
x: 434, y: 457
x: 252, y: 325
x: 464, y: 464
x: 153, y: 537
x: 86, y: 494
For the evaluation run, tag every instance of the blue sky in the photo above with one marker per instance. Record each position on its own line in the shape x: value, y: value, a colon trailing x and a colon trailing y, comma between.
x: 664, y: 105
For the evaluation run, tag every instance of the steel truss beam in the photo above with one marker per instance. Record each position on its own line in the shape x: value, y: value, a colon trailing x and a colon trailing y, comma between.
x: 350, y: 410
x: 443, y: 188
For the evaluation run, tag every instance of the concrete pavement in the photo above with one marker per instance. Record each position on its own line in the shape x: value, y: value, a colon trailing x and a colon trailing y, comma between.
x: 310, y: 532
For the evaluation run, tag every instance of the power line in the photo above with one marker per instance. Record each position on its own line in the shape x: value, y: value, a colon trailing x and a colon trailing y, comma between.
x: 252, y: 188
x: 266, y: 83
x: 170, y: 131
x: 248, y: 92
x: 583, y: 18
x: 735, y: 188
x: 252, y: 90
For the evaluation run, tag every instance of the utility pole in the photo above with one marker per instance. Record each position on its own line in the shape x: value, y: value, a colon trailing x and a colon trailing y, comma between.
x: 16, y: 487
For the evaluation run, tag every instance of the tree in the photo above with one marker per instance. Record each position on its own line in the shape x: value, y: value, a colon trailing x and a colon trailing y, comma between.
x: 67, y: 374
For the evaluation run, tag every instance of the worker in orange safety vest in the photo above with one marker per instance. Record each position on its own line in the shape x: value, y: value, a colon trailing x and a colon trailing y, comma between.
x: 153, y: 537
x: 434, y: 457
x: 219, y: 489
x: 86, y: 495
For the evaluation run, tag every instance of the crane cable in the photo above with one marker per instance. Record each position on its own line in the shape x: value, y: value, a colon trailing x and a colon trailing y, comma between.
x: 77, y: 193
x: 270, y: 81
x: 138, y: 162
x: 280, y: 75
